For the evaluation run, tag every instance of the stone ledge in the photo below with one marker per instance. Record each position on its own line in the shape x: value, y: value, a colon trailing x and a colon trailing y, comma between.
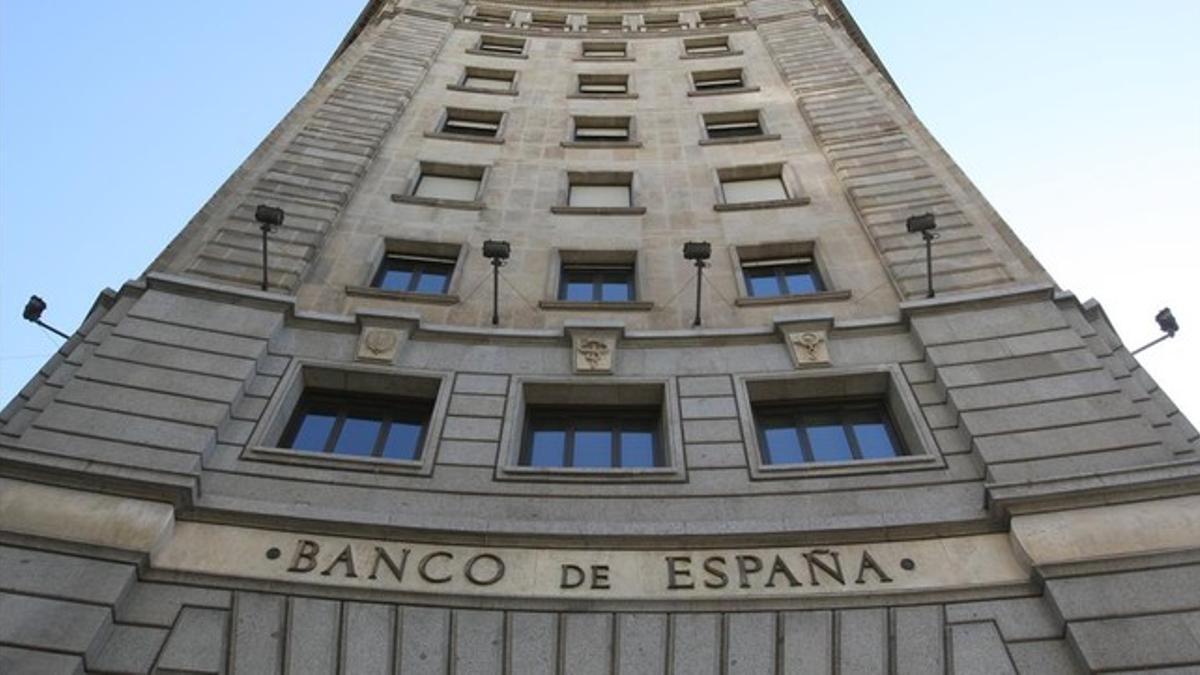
x: 598, y: 210
x: 824, y: 296
x: 740, y: 140
x: 464, y: 138
x: 439, y: 203
x: 601, y: 144
x: 602, y: 97
x: 627, y: 306
x: 480, y: 90
x: 722, y: 92
x: 768, y: 204
x: 424, y: 298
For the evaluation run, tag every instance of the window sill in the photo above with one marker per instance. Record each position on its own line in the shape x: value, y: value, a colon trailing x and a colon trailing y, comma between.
x: 346, y: 462
x: 719, y: 92
x: 769, y: 204
x: 480, y: 90
x: 440, y: 203
x: 739, y: 140
x: 560, y: 474
x: 599, y: 145
x: 465, y: 139
x: 714, y: 55
x: 502, y: 55
x: 598, y: 210
x: 605, y: 59
x: 571, y: 305
x: 406, y: 296
x: 854, y: 467
x: 823, y: 296
x: 602, y: 97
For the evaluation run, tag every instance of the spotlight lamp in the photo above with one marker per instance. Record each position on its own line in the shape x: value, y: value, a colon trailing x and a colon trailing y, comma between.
x: 925, y: 224
x: 1167, y: 324
x: 33, y: 314
x: 497, y: 251
x: 268, y: 218
x: 698, y: 252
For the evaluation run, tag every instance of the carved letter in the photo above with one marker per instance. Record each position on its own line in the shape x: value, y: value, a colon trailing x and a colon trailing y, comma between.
x: 781, y: 567
x: 305, y: 559
x: 381, y: 556
x: 479, y: 581
x: 868, y: 562
x: 423, y: 567
x: 600, y: 577
x: 715, y: 568
x: 572, y: 576
x: 679, y: 577
x: 346, y: 557
x: 815, y: 564
x: 747, y: 565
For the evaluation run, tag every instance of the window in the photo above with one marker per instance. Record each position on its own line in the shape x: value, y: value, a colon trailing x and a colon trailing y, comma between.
x: 811, y: 432
x: 607, y: 83
x: 709, y: 17
x: 414, y: 274
x: 343, y: 424
x: 605, y: 21
x: 754, y: 190
x: 491, y: 15
x: 774, y: 278
x: 448, y: 182
x: 707, y: 46
x: 599, y: 196
x: 596, y: 283
x: 658, y: 21
x: 599, y: 193
x: 475, y: 123
x: 595, y: 129
x: 501, y: 46
x: 759, y: 187
x: 604, y: 50
x: 592, y: 438
x: 725, y: 125
x: 728, y: 79
x: 552, y: 20
x: 488, y: 80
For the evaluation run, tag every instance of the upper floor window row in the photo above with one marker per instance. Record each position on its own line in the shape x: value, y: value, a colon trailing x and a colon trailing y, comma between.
x: 548, y: 20
x: 508, y: 46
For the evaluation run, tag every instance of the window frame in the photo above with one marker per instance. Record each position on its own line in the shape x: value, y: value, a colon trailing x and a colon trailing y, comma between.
x: 793, y: 188
x: 768, y: 252
x: 884, y: 384
x: 500, y: 46
x: 599, y: 274
x: 583, y: 392
x: 451, y: 253
x: 578, y: 122
x: 345, y: 405
x: 841, y: 410
x: 423, y: 168
x: 618, y: 419
x: 479, y: 73
x: 746, y: 117
x: 696, y: 77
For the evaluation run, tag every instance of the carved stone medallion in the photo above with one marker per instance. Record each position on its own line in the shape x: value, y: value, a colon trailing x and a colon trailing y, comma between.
x: 379, y: 344
x: 594, y: 352
x: 809, y: 347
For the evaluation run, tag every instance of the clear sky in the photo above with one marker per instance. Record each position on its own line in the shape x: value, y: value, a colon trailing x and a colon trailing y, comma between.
x: 1078, y: 119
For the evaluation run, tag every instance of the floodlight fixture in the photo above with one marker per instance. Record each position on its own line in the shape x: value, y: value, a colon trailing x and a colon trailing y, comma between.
x: 1167, y: 323
x: 497, y: 251
x: 698, y: 252
x: 268, y: 218
x: 33, y: 314
x: 925, y: 224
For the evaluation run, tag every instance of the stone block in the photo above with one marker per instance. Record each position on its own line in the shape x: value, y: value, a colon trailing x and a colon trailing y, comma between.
x: 477, y: 406
x: 40, y: 623
x: 978, y: 649
x: 713, y: 407
x: 1138, y: 642
x: 1046, y: 657
x: 696, y: 644
x: 196, y: 643
x: 496, y: 385
x: 258, y: 631
x: 424, y: 641
x: 715, y: 455
x: 717, y: 385
x: 478, y: 642
x: 808, y: 642
x: 34, y: 662
x: 533, y: 643
x: 641, y: 644
x: 712, y: 431
x: 469, y: 453
x: 862, y: 641
x: 312, y: 636
x: 1017, y: 618
x: 472, y: 428
x: 129, y: 649
x: 918, y: 634
x: 159, y: 604
x: 751, y: 643
x: 368, y: 632
x: 1126, y: 593
x: 63, y: 577
x: 587, y: 643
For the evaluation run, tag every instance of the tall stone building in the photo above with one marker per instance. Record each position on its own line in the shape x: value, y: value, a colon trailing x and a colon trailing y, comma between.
x: 357, y: 471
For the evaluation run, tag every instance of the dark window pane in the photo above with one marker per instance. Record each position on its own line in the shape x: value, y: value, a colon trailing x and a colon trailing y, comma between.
x: 548, y: 448
x: 874, y: 440
x: 762, y: 284
x: 783, y: 445
x: 432, y: 280
x: 800, y: 281
x: 402, y: 440
x: 829, y: 443
x: 358, y: 436
x: 395, y: 279
x: 578, y: 290
x: 637, y: 449
x: 313, y: 432
x: 593, y: 449
x: 615, y: 291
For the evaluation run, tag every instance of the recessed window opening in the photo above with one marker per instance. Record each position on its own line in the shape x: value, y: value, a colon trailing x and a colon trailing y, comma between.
x: 414, y: 274
x: 711, y: 16
x: 448, y: 181
x: 592, y: 438
x: 605, y: 21
x: 599, y: 196
x: 707, y: 45
x: 487, y: 78
x: 741, y: 124
x: 661, y: 20
x: 604, y: 50
x: 344, y: 424
x: 596, y: 283
x: 784, y: 276
x: 548, y: 20
x: 812, y: 432
x: 717, y: 80
x: 597, y: 83
x: 480, y: 123
x: 492, y: 14
x: 601, y: 129
x: 502, y: 45
x: 754, y: 190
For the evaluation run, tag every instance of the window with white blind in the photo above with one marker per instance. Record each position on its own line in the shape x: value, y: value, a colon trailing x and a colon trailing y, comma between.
x: 603, y: 83
x: 491, y: 14
x: 600, y: 196
x: 709, y: 17
x: 448, y: 182
x: 605, y: 21
x: 501, y: 45
x: 488, y: 79
x: 754, y: 190
x: 729, y: 125
x: 718, y: 80
x: 471, y: 123
x: 604, y: 50
x: 596, y: 129
x: 551, y: 20
x: 660, y: 20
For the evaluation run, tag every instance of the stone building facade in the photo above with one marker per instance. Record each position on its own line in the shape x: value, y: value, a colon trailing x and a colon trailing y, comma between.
x: 356, y: 471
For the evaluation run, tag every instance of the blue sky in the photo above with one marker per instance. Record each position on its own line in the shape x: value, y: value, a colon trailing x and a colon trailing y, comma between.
x: 1078, y: 119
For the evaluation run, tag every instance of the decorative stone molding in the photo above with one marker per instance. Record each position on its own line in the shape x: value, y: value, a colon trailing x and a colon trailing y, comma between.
x: 380, y: 345
x: 594, y: 352
x: 809, y: 347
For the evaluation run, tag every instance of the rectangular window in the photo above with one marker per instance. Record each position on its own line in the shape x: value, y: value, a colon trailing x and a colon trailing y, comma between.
x: 592, y: 438
x: 606, y: 83
x: 548, y: 20
x: 741, y: 124
x: 497, y: 44
x: 449, y: 182
x: 414, y: 274
x: 604, y: 50
x: 477, y: 123
x: 754, y: 190
x: 661, y: 20
x: 601, y: 129
x: 605, y: 21
x: 492, y: 14
x: 489, y: 79
x: 778, y: 277
x: 710, y: 17
x: 718, y: 80
x: 813, y: 432
x: 596, y: 283
x: 707, y: 46
x: 343, y: 424
x: 600, y: 196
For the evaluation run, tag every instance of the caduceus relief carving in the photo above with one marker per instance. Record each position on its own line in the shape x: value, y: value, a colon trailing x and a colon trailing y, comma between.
x: 809, y: 346
x: 381, y: 341
x: 595, y: 353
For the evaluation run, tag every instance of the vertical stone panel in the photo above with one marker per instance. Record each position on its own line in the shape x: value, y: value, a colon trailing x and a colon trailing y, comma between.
x: 257, y: 633
x: 641, y: 644
x: 750, y: 640
x: 424, y: 640
x: 978, y: 649
x: 587, y: 643
x: 807, y: 643
x: 368, y: 632
x: 696, y: 644
x: 862, y: 641
x: 919, y: 638
x: 478, y: 642
x: 314, y: 628
x: 533, y: 643
x: 197, y: 643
